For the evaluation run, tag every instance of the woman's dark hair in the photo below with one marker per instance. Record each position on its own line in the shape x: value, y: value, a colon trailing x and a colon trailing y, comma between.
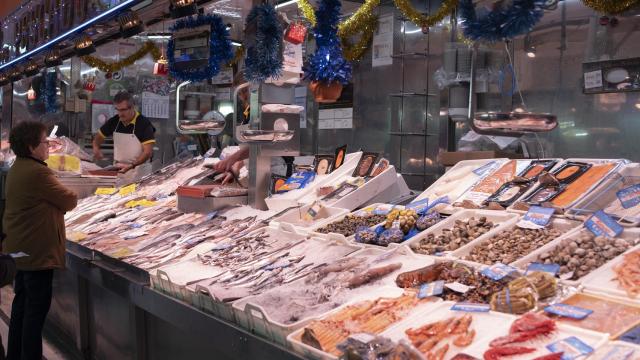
x: 25, y: 134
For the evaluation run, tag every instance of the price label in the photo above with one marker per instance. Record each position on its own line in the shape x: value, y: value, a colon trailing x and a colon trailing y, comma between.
x: 18, y: 255
x: 498, y: 271
x: 458, y: 287
x: 431, y: 289
x: 122, y: 252
x: 419, y: 205
x: 536, y: 218
x: 143, y: 203
x: 105, y: 191
x: 486, y: 168
x: 571, y: 348
x: 573, y: 312
x: 470, y: 307
x: 126, y: 190
x: 630, y: 196
x: 549, y: 268
x: 632, y: 336
x: 601, y: 224
x: 593, y: 79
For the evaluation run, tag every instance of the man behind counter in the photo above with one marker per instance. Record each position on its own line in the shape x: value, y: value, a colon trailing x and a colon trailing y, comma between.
x: 133, y: 137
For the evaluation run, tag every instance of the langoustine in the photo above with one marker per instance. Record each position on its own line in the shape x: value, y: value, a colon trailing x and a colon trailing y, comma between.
x: 628, y: 273
x: 426, y: 338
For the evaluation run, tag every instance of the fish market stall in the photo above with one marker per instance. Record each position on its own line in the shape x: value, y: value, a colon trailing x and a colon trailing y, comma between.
x: 297, y: 203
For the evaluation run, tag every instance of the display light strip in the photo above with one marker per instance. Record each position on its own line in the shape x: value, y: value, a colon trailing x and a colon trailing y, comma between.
x: 81, y: 27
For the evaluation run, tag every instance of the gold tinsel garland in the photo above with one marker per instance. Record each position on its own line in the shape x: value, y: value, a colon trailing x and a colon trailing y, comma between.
x: 611, y: 6
x: 355, y: 51
x: 356, y: 22
x: 148, y: 47
x: 363, y: 21
x: 307, y: 11
x: 239, y: 54
x: 421, y: 20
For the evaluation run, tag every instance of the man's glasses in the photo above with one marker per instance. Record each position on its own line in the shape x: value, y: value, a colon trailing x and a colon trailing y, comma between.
x: 123, y: 110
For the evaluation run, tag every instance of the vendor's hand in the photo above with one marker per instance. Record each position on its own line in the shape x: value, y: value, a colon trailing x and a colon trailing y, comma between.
x: 228, y: 177
x: 97, y: 154
x: 223, y: 165
x: 125, y: 167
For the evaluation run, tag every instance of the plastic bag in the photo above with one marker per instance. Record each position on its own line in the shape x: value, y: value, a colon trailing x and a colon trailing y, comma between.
x: 64, y: 146
x: 366, y: 235
x: 522, y: 294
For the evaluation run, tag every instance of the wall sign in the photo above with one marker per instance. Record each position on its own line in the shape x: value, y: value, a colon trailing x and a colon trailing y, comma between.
x: 611, y: 76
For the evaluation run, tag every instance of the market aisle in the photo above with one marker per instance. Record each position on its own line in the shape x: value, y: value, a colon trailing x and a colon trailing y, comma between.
x: 50, y: 352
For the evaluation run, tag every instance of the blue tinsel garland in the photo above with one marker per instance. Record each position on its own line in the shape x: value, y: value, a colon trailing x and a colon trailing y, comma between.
x: 503, y: 23
x: 48, y: 89
x: 264, y: 58
x: 328, y: 63
x: 220, y: 51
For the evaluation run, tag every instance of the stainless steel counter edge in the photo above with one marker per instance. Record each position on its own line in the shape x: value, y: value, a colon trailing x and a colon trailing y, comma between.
x: 230, y: 339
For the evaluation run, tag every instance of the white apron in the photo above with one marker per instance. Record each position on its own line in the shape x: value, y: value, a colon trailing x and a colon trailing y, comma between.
x: 126, y: 149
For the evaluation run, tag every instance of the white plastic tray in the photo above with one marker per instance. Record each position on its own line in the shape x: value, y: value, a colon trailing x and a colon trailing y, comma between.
x: 293, y: 217
x: 605, y: 195
x: 173, y: 279
x: 603, y: 352
x: 309, y: 352
x: 488, y: 326
x: 208, y: 300
x: 455, y: 182
x: 291, y: 198
x: 524, y: 262
x: 255, y: 318
x: 619, y: 162
x: 478, y: 197
x: 336, y: 236
x: 500, y: 218
x: 560, y: 224
x: 602, y: 279
x: 366, y: 192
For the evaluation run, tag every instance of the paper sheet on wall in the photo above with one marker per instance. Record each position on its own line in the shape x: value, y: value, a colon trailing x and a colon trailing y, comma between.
x: 155, y: 98
x: 155, y: 106
x: 100, y: 113
x: 341, y: 118
x: 382, y: 45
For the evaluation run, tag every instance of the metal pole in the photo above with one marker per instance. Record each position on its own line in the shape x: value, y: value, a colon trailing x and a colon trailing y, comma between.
x: 472, y: 81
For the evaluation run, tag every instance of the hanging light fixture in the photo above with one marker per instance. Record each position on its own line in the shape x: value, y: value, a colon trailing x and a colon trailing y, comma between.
x: 130, y: 24
x: 15, y: 74
x: 31, y: 68
x: 4, y: 79
x: 52, y: 58
x: 31, y: 94
x: 84, y: 46
x: 182, y: 8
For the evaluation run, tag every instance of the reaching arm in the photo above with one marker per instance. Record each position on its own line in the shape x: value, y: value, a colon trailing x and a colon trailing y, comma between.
x: 97, y: 141
x: 227, y: 163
